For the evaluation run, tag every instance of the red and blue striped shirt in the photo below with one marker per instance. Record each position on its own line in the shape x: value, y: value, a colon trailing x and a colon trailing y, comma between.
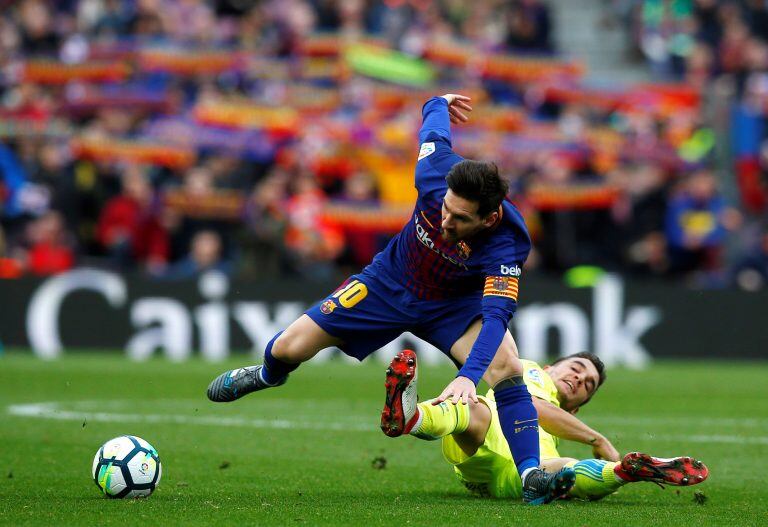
x: 488, y: 265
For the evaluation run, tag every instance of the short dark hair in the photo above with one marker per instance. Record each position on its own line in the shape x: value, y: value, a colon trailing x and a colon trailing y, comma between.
x: 480, y: 182
x: 594, y: 359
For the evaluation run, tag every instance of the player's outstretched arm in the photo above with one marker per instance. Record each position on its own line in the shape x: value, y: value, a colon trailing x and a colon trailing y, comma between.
x: 496, y: 315
x: 564, y: 425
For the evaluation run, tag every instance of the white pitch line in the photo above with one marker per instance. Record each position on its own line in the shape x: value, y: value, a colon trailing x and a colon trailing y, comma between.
x: 52, y: 410
x: 739, y: 440
x: 747, y: 422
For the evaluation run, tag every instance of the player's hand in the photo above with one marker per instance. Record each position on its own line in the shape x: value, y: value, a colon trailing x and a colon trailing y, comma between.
x: 603, y: 449
x: 461, y: 389
x: 457, y: 103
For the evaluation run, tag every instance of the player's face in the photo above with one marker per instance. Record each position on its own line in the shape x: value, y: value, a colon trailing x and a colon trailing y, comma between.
x: 460, y: 218
x: 576, y: 380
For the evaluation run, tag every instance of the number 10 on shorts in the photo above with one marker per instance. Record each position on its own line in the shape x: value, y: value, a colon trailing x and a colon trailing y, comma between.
x: 352, y: 293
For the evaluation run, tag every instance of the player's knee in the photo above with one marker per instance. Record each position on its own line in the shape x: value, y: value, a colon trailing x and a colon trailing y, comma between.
x: 478, y: 413
x: 288, y: 348
x: 479, y: 422
x: 297, y: 345
x: 474, y: 409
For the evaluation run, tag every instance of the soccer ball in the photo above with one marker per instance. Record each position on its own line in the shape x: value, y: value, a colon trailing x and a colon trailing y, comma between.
x: 126, y: 467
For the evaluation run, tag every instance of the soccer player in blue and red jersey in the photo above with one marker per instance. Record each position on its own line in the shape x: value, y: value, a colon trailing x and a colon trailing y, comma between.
x: 449, y: 277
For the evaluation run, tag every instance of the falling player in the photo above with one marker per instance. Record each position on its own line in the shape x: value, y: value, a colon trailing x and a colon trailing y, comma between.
x: 449, y: 277
x: 472, y: 440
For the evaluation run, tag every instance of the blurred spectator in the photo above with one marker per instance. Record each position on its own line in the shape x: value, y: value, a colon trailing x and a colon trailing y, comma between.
x: 14, y: 180
x: 362, y: 240
x: 189, y: 21
x: 709, y: 28
x: 641, y: 219
x: 107, y: 19
x: 37, y: 28
x: 529, y: 26
x: 52, y: 174
x: 570, y: 236
x: 666, y: 34
x: 699, y: 65
x: 266, y: 219
x: 695, y: 225
x: 9, y: 267
x: 757, y: 17
x: 314, y: 242
x: 751, y: 271
x: 205, y: 254
x: 130, y: 227
x: 49, y: 249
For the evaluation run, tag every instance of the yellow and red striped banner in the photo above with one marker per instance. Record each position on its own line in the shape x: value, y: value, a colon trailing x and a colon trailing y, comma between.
x: 111, y: 149
x: 248, y: 115
x: 50, y: 72
x: 558, y: 197
x: 189, y: 62
x: 221, y: 204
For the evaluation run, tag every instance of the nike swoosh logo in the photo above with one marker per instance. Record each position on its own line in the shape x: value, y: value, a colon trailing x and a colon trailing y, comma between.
x: 526, y: 421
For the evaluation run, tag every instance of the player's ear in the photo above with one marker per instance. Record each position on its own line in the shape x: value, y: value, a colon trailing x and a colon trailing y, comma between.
x: 491, y: 219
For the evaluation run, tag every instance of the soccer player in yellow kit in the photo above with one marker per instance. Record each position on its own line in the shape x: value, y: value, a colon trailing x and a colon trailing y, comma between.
x: 472, y: 440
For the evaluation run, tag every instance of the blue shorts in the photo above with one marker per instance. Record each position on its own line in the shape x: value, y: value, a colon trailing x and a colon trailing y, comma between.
x: 367, y: 313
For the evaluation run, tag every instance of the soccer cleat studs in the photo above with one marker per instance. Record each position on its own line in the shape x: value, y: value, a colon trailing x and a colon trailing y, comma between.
x: 678, y: 471
x: 400, y: 411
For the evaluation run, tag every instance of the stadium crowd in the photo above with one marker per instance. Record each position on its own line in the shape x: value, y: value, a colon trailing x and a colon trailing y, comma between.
x: 713, y: 45
x: 266, y: 137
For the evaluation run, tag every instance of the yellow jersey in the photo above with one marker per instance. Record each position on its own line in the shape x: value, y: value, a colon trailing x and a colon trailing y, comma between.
x: 491, y: 471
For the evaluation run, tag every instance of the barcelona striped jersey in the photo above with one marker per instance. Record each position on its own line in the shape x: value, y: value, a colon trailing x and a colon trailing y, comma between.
x: 488, y: 265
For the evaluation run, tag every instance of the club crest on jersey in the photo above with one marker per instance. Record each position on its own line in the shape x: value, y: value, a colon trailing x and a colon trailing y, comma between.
x: 510, y: 270
x: 535, y: 377
x: 426, y: 149
x: 327, y: 307
x: 500, y: 283
x: 463, y: 249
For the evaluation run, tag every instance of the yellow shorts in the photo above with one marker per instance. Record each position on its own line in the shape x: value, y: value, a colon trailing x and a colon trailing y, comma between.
x: 491, y: 471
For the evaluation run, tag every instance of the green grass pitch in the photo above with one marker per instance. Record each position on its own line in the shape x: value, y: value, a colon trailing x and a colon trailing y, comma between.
x: 310, y: 452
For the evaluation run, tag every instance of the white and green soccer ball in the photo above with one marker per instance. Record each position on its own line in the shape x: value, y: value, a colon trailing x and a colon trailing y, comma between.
x: 126, y: 467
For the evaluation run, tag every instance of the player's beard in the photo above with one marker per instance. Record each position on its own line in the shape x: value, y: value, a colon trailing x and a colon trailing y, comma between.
x: 450, y: 237
x: 453, y: 236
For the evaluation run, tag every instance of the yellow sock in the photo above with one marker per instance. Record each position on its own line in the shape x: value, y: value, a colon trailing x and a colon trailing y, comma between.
x: 595, y: 479
x: 441, y: 420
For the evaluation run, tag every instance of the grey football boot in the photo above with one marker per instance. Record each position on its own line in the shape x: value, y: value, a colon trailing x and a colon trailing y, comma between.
x: 233, y: 384
x: 544, y: 487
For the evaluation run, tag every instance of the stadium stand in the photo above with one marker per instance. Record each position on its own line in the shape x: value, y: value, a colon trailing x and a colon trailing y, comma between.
x: 265, y: 137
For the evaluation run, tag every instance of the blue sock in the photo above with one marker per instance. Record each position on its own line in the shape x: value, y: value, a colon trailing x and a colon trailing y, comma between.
x: 519, y: 422
x: 274, y: 369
